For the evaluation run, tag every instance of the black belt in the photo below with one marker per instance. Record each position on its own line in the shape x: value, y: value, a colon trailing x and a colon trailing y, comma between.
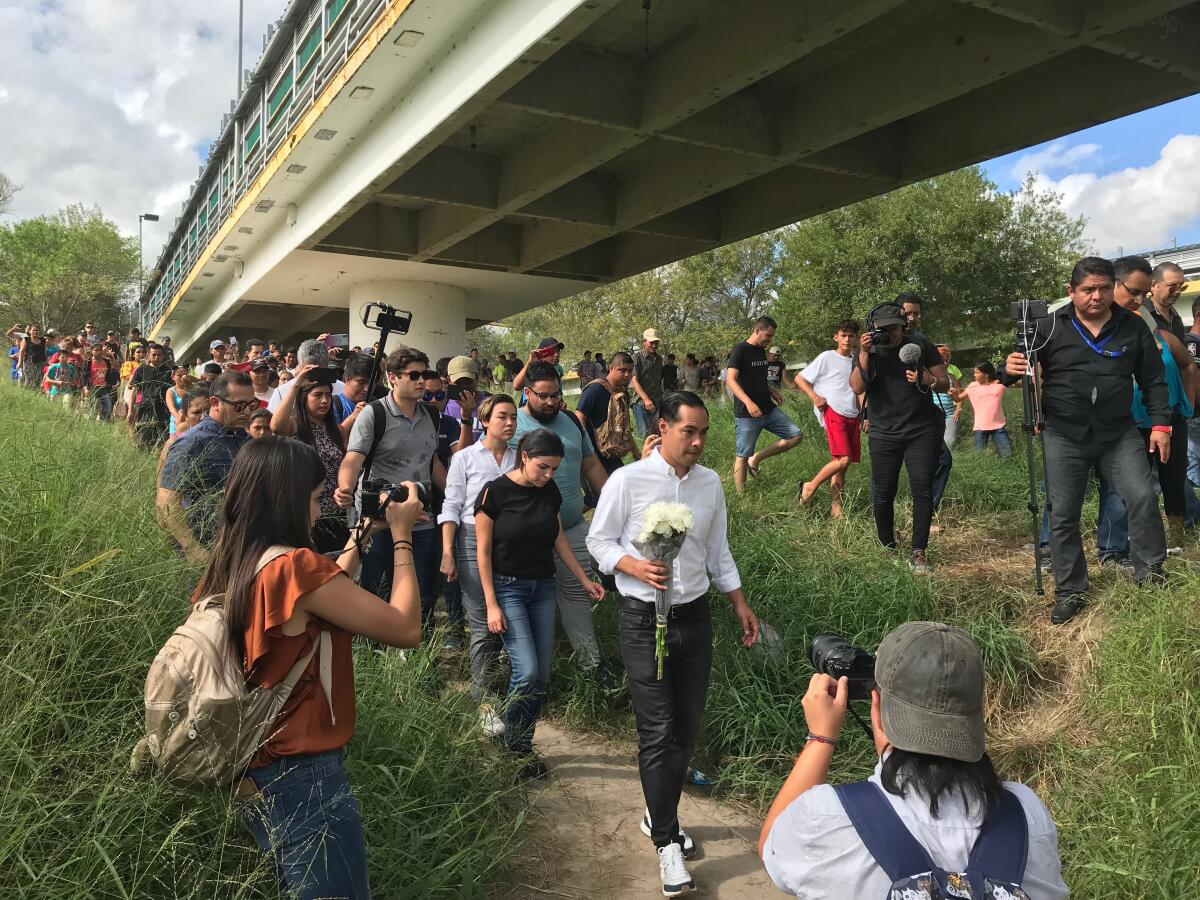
x: 677, y: 610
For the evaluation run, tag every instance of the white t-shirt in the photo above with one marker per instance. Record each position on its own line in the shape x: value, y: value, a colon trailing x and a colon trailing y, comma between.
x: 814, y: 852
x: 829, y: 374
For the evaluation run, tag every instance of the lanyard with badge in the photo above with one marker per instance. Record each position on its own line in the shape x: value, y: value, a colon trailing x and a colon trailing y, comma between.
x: 1099, y: 347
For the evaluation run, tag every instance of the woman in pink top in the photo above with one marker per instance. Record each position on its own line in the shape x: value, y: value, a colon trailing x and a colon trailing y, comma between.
x: 987, y: 400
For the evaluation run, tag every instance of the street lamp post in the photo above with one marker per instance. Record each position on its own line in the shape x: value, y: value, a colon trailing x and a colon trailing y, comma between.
x: 148, y: 217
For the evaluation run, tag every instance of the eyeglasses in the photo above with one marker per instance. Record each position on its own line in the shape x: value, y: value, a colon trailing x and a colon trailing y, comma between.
x: 1173, y: 289
x: 553, y: 395
x: 1141, y: 295
x: 239, y: 405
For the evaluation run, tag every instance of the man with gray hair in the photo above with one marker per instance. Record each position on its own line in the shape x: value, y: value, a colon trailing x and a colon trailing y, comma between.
x: 1166, y: 284
x: 312, y: 352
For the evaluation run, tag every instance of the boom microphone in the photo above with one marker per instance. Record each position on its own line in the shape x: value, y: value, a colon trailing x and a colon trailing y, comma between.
x: 910, y: 355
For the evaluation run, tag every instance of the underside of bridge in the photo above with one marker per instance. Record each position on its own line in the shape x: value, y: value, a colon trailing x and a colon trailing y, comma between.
x: 524, y: 151
x: 653, y: 136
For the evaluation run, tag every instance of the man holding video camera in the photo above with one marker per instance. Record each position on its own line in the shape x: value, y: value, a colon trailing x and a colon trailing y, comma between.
x: 395, y: 439
x: 934, y: 797
x: 1089, y: 354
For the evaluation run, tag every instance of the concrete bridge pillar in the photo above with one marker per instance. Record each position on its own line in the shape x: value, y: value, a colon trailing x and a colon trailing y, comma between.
x: 439, y: 316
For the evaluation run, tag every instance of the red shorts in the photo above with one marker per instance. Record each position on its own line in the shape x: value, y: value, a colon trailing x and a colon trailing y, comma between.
x: 845, y: 435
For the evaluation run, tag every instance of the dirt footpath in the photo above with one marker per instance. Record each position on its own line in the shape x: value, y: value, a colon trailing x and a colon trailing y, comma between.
x: 586, y: 840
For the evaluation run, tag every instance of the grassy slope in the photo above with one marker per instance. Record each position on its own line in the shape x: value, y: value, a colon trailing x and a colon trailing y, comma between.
x: 1100, y: 716
x: 440, y: 817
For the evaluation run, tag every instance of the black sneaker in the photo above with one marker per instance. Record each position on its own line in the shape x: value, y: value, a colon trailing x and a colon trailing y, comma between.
x: 1119, y: 564
x: 1067, y: 608
x: 1156, y: 577
x: 532, y: 770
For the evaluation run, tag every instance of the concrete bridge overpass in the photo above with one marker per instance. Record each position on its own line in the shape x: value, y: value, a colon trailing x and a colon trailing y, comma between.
x: 467, y: 159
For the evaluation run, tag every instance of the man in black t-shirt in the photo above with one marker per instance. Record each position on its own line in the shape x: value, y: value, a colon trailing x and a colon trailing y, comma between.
x: 907, y: 427
x: 756, y: 405
x: 593, y: 406
x: 149, y: 414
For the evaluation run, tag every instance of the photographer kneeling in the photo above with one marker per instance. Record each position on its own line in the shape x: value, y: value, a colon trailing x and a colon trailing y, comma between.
x: 934, y: 801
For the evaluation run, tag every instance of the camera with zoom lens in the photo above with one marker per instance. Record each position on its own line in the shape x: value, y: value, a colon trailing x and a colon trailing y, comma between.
x: 373, y: 506
x: 879, y: 337
x: 833, y: 655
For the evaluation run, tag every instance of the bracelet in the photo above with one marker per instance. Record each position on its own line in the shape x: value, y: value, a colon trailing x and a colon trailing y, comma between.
x: 1162, y: 429
x: 819, y: 739
x: 404, y: 563
x: 401, y: 543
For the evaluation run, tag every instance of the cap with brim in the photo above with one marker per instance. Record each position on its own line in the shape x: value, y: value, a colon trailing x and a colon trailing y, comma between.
x: 930, y: 679
x: 260, y: 364
x: 888, y: 315
x: 774, y: 350
x: 551, y: 342
x: 52, y: 332
x: 650, y: 335
x: 460, y: 367
x: 216, y: 345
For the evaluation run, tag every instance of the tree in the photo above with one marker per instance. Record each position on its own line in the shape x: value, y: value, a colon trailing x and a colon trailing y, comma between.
x: 8, y: 190
x: 966, y: 247
x: 66, y: 269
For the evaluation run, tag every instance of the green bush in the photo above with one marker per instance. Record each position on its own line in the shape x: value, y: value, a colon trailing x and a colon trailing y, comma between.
x: 90, y: 588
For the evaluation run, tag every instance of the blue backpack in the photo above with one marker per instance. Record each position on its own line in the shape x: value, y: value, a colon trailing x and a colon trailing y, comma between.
x: 994, y: 869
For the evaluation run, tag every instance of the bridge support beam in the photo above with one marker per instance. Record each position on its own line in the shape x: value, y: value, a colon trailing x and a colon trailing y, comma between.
x: 439, y: 315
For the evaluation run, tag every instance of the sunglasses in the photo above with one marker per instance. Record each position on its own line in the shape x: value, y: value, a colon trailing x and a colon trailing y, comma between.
x: 418, y: 376
x: 438, y: 396
x: 239, y: 405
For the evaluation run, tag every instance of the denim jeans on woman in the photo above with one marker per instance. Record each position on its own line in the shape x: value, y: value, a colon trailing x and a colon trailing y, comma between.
x: 528, y: 605
x: 306, y: 817
x: 484, y: 648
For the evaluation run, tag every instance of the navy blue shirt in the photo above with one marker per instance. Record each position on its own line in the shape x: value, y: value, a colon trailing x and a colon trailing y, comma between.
x: 197, y: 467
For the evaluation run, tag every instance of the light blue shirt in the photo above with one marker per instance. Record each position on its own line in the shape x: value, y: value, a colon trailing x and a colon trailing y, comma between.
x: 577, y: 446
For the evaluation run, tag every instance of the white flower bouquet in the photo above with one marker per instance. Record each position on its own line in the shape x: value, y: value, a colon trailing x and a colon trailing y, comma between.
x: 664, y: 528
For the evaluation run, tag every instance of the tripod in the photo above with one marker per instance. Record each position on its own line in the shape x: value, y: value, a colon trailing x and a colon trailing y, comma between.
x: 1026, y: 315
x: 387, y: 322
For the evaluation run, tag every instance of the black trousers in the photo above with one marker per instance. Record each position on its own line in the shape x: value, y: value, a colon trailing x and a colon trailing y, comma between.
x: 668, y: 712
x: 919, y: 456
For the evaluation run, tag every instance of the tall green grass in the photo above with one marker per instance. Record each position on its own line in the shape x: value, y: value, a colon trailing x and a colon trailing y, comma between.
x: 440, y: 814
x: 1121, y: 780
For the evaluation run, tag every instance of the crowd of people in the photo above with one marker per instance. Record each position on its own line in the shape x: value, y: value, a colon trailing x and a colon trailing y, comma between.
x: 480, y: 485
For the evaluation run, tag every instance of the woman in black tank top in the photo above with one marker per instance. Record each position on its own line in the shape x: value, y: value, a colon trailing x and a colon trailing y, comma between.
x: 32, y: 359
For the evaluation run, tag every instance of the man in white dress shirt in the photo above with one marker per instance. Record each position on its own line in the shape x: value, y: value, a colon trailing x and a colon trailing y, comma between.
x: 668, y: 712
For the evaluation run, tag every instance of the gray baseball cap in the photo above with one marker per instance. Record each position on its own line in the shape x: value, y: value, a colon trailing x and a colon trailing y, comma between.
x: 930, y: 679
x: 887, y: 314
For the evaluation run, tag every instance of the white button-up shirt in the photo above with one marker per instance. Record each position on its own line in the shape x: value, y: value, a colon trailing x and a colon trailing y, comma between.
x: 470, y: 471
x: 618, y: 523
x: 814, y: 852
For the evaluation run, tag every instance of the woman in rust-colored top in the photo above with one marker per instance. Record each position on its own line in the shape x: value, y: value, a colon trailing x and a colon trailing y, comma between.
x: 300, y: 805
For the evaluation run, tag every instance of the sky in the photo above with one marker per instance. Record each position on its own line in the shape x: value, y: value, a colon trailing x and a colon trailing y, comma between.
x: 114, y: 102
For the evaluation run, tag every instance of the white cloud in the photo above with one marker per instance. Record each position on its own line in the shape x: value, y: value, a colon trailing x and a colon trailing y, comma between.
x: 1057, y: 157
x: 106, y: 101
x: 1137, y: 208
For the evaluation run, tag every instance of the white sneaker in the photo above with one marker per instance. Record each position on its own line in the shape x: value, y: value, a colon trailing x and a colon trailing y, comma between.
x: 490, y: 723
x: 689, y: 846
x: 676, y: 879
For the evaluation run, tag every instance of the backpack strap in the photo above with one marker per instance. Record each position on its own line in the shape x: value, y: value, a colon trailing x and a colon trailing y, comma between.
x: 887, y: 839
x: 1002, y: 848
x: 379, y: 420
x: 323, y: 643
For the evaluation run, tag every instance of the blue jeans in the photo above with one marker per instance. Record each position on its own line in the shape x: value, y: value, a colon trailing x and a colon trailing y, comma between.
x: 528, y: 605
x: 776, y: 421
x: 647, y: 422
x: 1112, y: 525
x: 451, y: 590
x: 1192, y: 513
x: 1000, y: 436
x: 376, y: 574
x: 306, y: 817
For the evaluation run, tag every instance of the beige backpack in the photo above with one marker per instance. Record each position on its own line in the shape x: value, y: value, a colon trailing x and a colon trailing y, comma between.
x: 614, y: 436
x: 203, y: 722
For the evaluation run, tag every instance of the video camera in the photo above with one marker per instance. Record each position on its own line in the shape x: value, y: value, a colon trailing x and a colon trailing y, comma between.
x: 373, y: 507
x: 833, y: 655
x: 1031, y: 321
